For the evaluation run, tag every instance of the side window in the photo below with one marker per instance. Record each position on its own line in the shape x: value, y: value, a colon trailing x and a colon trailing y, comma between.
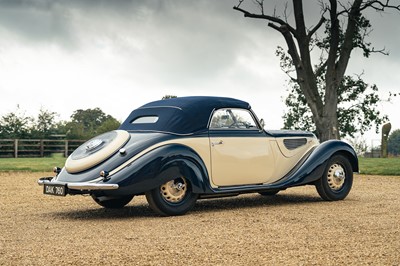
x: 232, y: 119
x: 145, y: 120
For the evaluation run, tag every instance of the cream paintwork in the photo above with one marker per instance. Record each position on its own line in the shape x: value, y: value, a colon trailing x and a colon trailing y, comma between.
x: 245, y: 161
x: 241, y: 161
x: 238, y: 160
x: 290, y: 153
x: 283, y: 164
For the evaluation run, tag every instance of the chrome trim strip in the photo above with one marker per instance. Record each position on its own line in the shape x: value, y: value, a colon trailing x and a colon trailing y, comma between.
x: 91, y: 186
x: 80, y: 185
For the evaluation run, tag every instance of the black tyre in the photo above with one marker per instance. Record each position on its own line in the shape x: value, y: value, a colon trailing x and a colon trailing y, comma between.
x: 271, y: 192
x: 337, y: 180
x: 112, y: 203
x: 175, y: 197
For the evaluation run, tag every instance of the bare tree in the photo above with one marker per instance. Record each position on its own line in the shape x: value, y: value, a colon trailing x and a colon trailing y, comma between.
x: 345, y: 30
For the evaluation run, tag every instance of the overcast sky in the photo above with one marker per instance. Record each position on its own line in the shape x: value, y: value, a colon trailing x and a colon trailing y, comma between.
x: 119, y: 55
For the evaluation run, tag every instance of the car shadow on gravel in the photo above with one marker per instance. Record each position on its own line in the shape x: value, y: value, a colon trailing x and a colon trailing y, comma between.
x: 256, y: 201
x: 202, y: 205
x: 129, y: 211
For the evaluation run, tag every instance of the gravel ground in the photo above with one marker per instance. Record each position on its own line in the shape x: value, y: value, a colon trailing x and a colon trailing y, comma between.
x: 293, y: 228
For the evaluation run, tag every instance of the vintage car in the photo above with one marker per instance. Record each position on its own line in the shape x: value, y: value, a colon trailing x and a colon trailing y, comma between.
x: 178, y: 150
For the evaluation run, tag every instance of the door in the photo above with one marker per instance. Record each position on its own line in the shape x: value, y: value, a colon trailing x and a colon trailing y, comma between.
x: 240, y: 151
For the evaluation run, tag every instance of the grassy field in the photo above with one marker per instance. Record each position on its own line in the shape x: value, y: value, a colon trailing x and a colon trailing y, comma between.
x: 32, y: 164
x: 380, y: 166
x: 368, y: 166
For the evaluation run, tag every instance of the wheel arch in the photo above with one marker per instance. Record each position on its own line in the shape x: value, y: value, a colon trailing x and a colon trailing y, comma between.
x: 353, y: 159
x: 313, y: 166
x: 149, y: 171
x: 186, y: 163
x: 330, y: 148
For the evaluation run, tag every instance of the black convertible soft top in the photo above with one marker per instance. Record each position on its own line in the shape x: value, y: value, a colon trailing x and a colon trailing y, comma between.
x: 183, y: 115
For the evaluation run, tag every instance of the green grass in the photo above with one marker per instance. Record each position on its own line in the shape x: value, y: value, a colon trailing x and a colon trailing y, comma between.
x: 368, y: 166
x: 379, y: 166
x: 45, y: 164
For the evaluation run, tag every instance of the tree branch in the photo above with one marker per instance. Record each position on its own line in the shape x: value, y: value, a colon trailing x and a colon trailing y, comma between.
x: 379, y: 5
x: 320, y: 69
x: 347, y: 46
x: 266, y: 17
x: 320, y: 23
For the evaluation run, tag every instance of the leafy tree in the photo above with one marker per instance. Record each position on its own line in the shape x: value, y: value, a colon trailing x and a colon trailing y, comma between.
x: 346, y: 29
x: 15, y: 125
x: 88, y: 123
x: 394, y: 143
x: 109, y: 124
x: 357, y: 108
x: 45, y: 124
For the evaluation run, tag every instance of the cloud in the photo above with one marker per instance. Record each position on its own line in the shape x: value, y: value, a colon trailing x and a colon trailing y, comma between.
x: 89, y: 52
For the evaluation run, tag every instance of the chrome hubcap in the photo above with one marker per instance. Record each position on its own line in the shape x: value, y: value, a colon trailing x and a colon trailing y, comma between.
x: 174, y: 191
x: 336, y: 177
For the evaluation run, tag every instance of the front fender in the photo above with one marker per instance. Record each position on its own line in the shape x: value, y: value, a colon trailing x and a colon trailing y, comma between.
x: 312, y: 167
x: 159, y: 166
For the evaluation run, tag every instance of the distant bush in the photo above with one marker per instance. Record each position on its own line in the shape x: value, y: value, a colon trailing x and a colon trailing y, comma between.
x: 394, y: 143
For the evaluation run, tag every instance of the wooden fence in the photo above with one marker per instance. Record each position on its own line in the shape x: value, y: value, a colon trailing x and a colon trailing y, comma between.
x: 36, y: 147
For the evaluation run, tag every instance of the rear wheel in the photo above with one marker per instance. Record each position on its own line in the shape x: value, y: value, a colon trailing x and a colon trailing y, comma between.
x: 112, y: 202
x: 337, y: 180
x: 174, y: 197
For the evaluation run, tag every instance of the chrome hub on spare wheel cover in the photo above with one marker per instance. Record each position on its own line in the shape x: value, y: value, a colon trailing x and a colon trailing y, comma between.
x: 336, y: 177
x: 93, y: 144
x: 174, y: 191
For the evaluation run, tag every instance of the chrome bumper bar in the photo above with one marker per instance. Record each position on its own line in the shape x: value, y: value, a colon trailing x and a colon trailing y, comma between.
x: 78, y: 185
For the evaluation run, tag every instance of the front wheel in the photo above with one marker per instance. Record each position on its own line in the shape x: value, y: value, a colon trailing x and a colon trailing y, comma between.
x: 112, y: 202
x: 337, y: 180
x: 175, y: 197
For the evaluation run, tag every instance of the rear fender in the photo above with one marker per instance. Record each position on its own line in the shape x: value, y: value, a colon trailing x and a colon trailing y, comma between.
x: 159, y: 166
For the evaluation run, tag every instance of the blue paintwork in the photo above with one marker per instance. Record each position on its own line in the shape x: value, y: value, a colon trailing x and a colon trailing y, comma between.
x: 247, y: 133
x: 144, y: 173
x: 289, y: 133
x: 137, y: 143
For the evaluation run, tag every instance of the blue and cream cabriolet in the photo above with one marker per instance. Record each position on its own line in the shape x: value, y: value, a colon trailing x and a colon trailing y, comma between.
x: 178, y: 150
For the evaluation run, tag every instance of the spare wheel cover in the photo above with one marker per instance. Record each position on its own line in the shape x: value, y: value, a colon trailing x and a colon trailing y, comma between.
x: 96, y: 150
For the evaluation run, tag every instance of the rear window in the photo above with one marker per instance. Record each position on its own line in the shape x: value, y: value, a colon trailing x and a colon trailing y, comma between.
x: 145, y: 120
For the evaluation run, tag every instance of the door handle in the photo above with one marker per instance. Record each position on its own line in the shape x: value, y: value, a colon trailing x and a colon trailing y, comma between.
x: 217, y: 143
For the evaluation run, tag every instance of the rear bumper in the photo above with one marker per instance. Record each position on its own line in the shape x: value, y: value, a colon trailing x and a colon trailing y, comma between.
x: 82, y: 186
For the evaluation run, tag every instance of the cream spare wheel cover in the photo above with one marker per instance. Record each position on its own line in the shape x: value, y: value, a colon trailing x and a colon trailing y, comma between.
x: 96, y: 150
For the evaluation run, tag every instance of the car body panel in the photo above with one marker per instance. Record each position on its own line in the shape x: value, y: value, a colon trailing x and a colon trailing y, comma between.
x: 241, y: 160
x: 287, y: 159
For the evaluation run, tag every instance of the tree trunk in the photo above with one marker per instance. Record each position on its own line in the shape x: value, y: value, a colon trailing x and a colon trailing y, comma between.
x: 327, y: 128
x: 325, y: 117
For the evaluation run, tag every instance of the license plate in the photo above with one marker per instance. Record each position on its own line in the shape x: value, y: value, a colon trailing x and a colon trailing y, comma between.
x: 56, y: 190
